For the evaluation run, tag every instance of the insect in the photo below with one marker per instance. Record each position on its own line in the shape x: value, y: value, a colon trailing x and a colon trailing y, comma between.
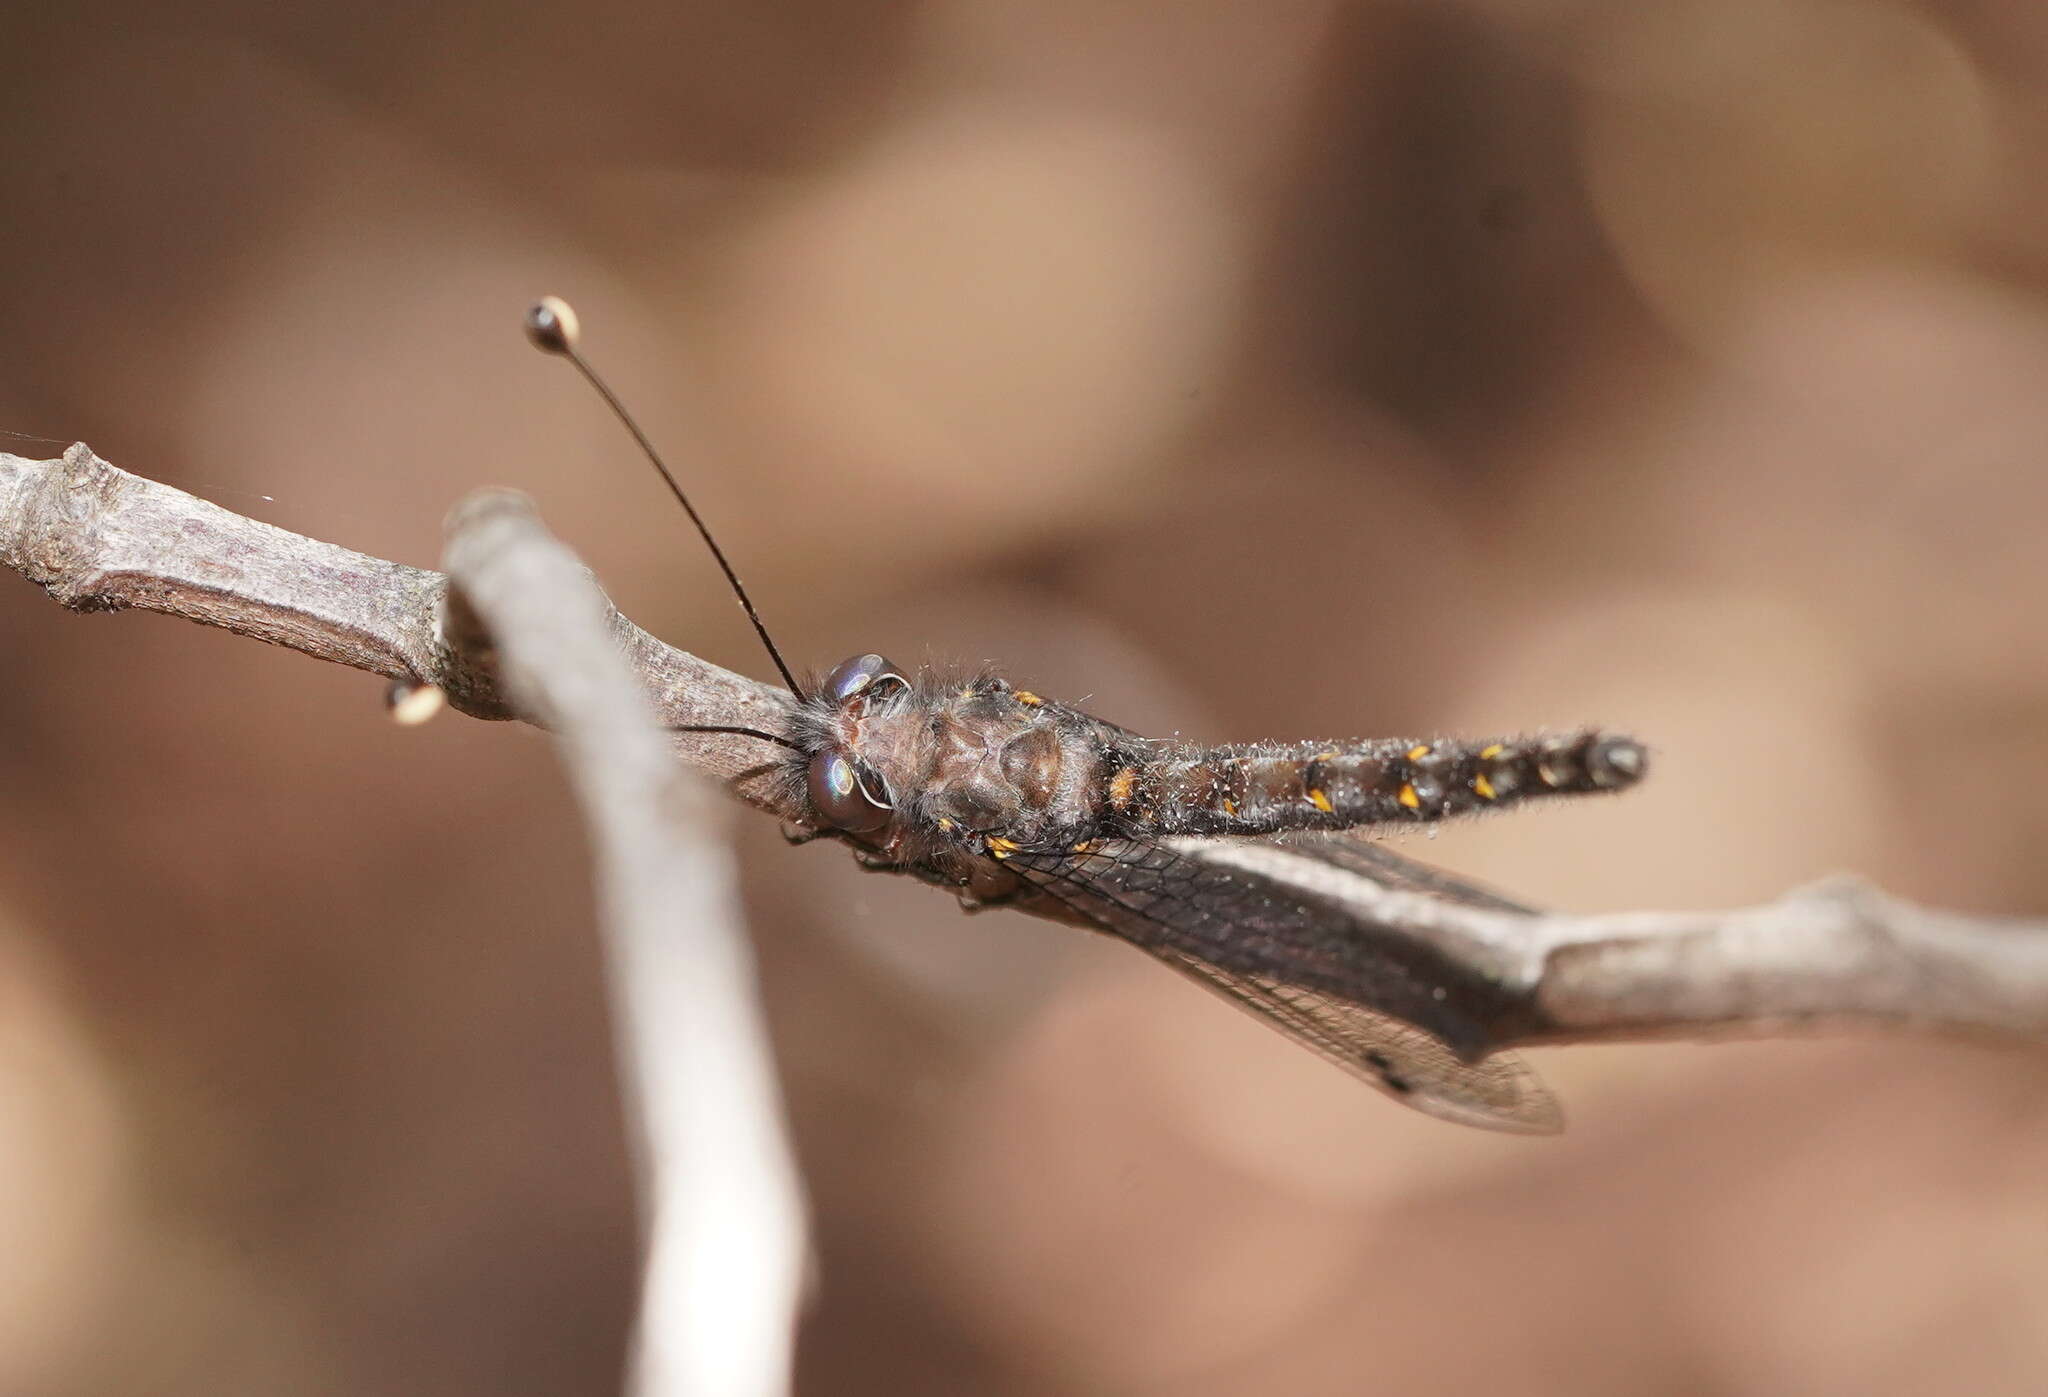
x: 1236, y: 865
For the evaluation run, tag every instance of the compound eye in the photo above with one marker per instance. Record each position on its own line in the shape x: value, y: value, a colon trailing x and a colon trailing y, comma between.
x: 860, y: 674
x: 849, y: 793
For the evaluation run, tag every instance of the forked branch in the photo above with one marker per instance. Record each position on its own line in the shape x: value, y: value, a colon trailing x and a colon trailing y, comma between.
x: 97, y: 538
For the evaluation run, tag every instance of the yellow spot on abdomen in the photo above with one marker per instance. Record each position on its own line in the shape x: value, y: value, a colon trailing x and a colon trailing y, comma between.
x: 1484, y: 787
x: 1027, y: 698
x: 1229, y: 806
x: 1409, y: 798
x: 1001, y: 848
x: 1123, y: 786
x: 1487, y: 754
x: 1320, y: 801
x: 1418, y: 751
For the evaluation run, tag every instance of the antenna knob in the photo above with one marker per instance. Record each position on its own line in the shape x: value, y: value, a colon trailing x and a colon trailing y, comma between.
x: 551, y: 325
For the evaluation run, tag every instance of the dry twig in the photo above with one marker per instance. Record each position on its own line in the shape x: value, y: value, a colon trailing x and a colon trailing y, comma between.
x: 98, y: 538
x: 717, y: 1185
x: 518, y: 627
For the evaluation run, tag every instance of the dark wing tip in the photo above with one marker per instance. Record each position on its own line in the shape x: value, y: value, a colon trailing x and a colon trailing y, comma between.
x: 1512, y: 1100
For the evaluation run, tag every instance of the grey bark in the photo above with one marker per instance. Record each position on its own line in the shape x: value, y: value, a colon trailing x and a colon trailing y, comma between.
x: 98, y: 538
x: 518, y: 627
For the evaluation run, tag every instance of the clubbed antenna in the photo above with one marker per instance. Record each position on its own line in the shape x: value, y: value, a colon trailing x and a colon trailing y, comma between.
x: 551, y: 324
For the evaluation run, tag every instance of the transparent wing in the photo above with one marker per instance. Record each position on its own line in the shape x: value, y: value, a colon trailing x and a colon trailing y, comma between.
x: 1273, y: 941
x: 1358, y: 851
x: 1496, y: 1093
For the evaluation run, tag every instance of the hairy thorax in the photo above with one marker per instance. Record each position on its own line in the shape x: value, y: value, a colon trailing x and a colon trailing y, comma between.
x: 983, y: 759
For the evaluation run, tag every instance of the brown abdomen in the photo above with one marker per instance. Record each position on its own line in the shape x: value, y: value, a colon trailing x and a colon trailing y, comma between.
x: 1270, y: 788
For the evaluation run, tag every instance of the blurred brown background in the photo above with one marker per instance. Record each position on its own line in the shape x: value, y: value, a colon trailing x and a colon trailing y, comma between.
x: 1281, y: 369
